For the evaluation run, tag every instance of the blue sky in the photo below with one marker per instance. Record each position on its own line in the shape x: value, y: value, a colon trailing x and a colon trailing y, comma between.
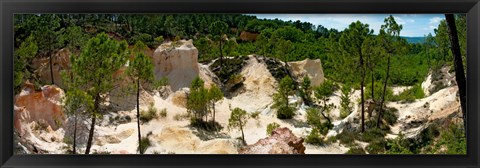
x: 414, y: 25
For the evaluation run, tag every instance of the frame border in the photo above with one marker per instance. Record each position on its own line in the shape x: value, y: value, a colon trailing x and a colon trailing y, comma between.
x: 9, y: 7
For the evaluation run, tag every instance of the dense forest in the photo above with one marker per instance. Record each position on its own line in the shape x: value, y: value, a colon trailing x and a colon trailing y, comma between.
x: 356, y: 58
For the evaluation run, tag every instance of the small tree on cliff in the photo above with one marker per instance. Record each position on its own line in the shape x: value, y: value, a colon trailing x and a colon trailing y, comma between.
x: 197, y: 101
x: 280, y: 99
x: 94, y: 70
x: 214, y: 95
x: 238, y: 119
x: 140, y: 70
x: 219, y: 28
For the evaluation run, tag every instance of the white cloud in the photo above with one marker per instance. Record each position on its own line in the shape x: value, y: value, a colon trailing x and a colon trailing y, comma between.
x: 435, y: 20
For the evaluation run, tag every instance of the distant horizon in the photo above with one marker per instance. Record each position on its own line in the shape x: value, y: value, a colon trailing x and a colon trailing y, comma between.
x: 414, y: 25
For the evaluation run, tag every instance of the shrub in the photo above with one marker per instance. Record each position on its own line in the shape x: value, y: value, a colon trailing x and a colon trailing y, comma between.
x: 255, y: 115
x: 163, y: 113
x: 144, y: 144
x: 377, y: 146
x: 410, y: 95
x: 398, y: 146
x: 373, y: 134
x: 271, y: 127
x: 454, y: 139
x: 347, y: 137
x: 356, y: 150
x: 150, y: 114
x: 315, y: 137
x: 285, y: 113
x: 345, y: 104
x: 179, y: 117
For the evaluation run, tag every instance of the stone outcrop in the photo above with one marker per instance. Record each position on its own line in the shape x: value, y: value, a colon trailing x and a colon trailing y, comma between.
x: 60, y: 62
x: 311, y: 68
x: 248, y: 36
x: 38, y: 106
x: 178, y: 62
x: 282, y: 141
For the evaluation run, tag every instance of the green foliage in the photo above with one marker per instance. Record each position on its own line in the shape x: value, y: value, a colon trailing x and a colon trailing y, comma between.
x: 271, y: 127
x: 285, y: 89
x: 27, y: 50
x: 74, y: 37
x: 410, y: 95
x: 318, y: 121
x: 454, y: 139
x: 230, y: 69
x: 315, y: 137
x: 345, y: 104
x: 144, y: 145
x: 356, y: 150
x: 238, y: 119
x: 163, y: 113
x: 378, y: 91
x: 197, y: 101
x: 376, y: 146
x: 325, y: 90
x: 347, y: 137
x: 398, y: 146
x: 141, y: 67
x: 255, y: 115
x: 150, y: 114
x: 305, y: 89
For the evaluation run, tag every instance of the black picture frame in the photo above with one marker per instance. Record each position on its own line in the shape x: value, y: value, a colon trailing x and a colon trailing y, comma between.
x: 9, y: 7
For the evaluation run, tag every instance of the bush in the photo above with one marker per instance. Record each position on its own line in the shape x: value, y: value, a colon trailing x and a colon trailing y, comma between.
x: 398, y: 146
x: 255, y: 115
x: 144, y: 144
x: 345, y: 104
x: 179, y: 117
x: 377, y: 146
x: 356, y: 150
x: 454, y: 139
x: 285, y: 113
x: 271, y: 127
x: 373, y: 134
x: 150, y: 114
x: 163, y: 113
x: 410, y: 95
x: 347, y: 137
x: 315, y: 138
x: 378, y: 91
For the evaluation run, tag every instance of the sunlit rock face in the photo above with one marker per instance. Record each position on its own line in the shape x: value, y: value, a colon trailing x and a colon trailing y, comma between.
x: 311, y: 68
x: 38, y: 106
x: 60, y: 62
x: 282, y: 141
x: 178, y: 61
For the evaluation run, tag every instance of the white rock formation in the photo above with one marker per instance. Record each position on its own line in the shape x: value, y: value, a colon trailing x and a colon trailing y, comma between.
x: 312, y: 68
x: 177, y: 62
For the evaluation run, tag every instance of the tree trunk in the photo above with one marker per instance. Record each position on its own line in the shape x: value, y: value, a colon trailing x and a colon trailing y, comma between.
x: 138, y: 117
x: 384, y: 92
x: 221, y: 54
x: 373, y: 86
x: 361, y: 92
x: 213, y: 104
x: 241, y: 129
x: 75, y: 135
x: 92, y: 126
x: 459, y: 72
x: 51, y: 67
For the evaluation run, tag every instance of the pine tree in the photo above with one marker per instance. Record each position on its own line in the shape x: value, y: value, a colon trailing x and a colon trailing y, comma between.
x: 219, y: 28
x: 94, y: 70
x: 140, y: 70
x: 238, y: 119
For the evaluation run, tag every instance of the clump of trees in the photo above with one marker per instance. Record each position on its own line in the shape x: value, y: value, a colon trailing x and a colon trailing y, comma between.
x: 201, y: 102
x: 280, y: 99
